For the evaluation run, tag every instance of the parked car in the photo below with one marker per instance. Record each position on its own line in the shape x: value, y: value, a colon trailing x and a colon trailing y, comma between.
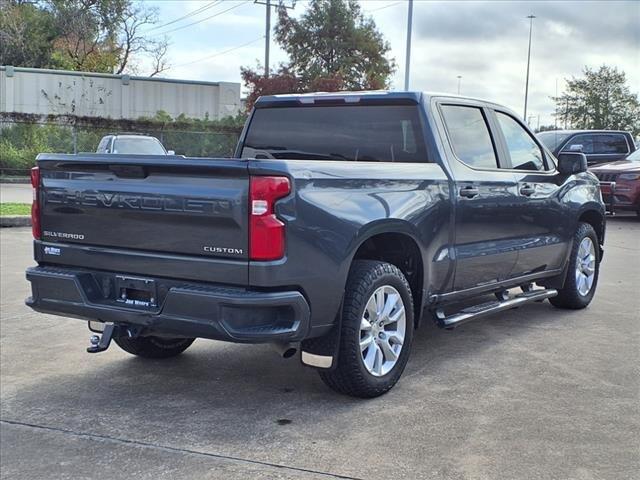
x: 620, y: 183
x: 132, y: 144
x: 600, y: 146
x: 344, y: 222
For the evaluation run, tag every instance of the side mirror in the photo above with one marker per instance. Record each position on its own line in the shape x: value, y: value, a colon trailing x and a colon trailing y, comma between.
x: 576, y: 147
x: 171, y: 152
x: 572, y: 162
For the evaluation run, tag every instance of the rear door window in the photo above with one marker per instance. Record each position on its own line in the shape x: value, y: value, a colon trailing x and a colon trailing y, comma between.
x: 469, y: 135
x: 367, y: 133
x: 610, y: 144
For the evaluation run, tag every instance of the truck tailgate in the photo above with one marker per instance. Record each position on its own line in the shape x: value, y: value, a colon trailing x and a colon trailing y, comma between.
x: 177, y: 207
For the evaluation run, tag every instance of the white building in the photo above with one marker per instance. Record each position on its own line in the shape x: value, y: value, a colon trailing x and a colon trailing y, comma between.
x: 60, y: 92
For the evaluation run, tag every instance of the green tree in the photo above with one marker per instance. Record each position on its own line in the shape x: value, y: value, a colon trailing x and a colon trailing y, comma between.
x: 280, y: 81
x: 26, y: 34
x: 599, y: 100
x: 331, y: 47
x: 85, y: 35
x: 334, y: 40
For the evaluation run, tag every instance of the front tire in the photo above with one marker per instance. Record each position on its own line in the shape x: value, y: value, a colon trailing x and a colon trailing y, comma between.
x: 376, y: 331
x: 584, y: 268
x: 154, y: 347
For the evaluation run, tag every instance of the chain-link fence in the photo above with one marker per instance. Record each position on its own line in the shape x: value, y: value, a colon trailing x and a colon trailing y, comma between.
x: 21, y: 140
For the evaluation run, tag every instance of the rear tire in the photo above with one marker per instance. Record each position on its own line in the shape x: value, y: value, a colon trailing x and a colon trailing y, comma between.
x: 376, y: 331
x: 579, y: 288
x: 154, y: 347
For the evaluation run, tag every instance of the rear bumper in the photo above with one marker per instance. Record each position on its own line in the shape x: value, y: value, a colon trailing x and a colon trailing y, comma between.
x: 183, y: 310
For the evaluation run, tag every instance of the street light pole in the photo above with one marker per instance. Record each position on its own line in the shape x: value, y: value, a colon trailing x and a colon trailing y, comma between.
x: 408, y: 59
x: 267, y: 38
x: 459, y: 78
x: 526, y: 87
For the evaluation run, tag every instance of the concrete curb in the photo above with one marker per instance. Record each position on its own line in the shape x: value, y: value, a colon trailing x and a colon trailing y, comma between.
x: 15, y: 180
x: 15, y: 221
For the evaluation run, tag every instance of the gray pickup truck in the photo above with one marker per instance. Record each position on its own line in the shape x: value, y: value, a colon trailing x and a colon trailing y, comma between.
x: 343, y: 222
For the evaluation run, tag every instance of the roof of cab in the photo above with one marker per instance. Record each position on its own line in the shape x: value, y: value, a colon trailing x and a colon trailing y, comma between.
x: 358, y: 97
x: 369, y: 96
x: 571, y: 132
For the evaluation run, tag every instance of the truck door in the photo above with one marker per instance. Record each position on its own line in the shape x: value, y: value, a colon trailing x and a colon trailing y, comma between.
x: 540, y: 223
x: 484, y: 197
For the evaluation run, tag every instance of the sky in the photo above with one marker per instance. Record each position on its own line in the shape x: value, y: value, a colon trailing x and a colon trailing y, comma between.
x: 484, y: 42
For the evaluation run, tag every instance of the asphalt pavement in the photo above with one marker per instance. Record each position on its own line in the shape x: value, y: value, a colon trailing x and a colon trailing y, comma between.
x: 533, y: 393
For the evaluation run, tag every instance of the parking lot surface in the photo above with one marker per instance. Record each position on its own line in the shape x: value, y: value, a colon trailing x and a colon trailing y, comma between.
x: 534, y: 393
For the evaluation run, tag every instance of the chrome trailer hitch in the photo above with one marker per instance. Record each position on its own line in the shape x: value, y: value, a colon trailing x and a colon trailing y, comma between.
x: 99, y: 343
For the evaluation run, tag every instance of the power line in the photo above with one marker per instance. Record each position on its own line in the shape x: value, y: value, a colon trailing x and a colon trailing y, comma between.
x: 203, y: 20
x: 221, y: 53
x: 386, y: 6
x: 190, y: 14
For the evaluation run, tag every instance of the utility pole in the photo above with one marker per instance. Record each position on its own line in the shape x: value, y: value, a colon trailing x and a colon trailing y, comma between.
x: 526, y: 87
x: 267, y: 27
x: 407, y: 67
x: 459, y: 78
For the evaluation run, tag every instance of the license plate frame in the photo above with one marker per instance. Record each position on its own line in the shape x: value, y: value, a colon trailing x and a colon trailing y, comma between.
x: 136, y: 291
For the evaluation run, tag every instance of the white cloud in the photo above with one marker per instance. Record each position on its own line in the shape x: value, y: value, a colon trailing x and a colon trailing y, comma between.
x: 485, y: 42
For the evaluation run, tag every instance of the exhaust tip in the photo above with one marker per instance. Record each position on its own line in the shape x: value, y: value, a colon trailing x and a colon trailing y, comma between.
x: 285, y: 350
x: 289, y: 352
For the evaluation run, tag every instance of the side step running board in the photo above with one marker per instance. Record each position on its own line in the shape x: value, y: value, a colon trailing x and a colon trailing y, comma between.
x: 488, y: 308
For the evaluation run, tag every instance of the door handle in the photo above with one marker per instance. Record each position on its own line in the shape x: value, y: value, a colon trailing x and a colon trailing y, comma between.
x: 527, y: 190
x: 469, y: 192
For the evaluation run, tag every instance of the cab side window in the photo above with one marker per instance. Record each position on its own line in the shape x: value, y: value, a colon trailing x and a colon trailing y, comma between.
x: 524, y: 151
x: 584, y: 141
x: 610, y: 144
x: 469, y: 136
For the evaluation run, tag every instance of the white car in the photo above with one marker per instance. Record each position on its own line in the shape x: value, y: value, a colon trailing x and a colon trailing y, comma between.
x: 132, y: 144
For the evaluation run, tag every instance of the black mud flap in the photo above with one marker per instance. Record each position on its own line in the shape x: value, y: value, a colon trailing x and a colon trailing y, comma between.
x: 322, y: 352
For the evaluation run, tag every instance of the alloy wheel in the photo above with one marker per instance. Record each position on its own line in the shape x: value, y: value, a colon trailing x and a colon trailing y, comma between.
x: 585, y: 266
x: 382, y: 330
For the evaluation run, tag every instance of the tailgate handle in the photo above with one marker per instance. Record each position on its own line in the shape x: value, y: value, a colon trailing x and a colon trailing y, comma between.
x: 128, y: 171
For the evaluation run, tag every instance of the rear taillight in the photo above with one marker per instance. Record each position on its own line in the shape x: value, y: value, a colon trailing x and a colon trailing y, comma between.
x: 266, y: 232
x: 35, y: 205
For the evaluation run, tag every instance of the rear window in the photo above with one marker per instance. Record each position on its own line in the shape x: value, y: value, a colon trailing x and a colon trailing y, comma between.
x: 141, y: 146
x: 380, y: 133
